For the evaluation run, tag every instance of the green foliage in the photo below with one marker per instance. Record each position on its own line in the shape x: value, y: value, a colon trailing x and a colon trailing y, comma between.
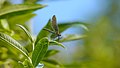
x: 44, y: 33
x: 72, y: 37
x: 10, y: 42
x: 27, y: 32
x: 14, y: 10
x: 21, y: 19
x: 64, y: 26
x: 40, y: 51
x: 18, y: 48
x: 56, y: 43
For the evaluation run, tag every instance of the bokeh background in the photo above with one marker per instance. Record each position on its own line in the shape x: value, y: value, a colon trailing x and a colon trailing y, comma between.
x: 101, y: 47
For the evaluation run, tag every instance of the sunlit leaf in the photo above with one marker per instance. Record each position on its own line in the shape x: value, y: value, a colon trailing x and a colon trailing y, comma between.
x: 40, y: 51
x: 64, y: 26
x: 52, y: 42
x: 72, y: 37
x: 26, y: 31
x: 14, y: 10
x: 20, y: 19
x: 13, y: 43
x: 30, y: 1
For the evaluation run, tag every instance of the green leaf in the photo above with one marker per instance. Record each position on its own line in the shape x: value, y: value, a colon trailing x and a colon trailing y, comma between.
x: 12, y: 43
x: 72, y: 37
x: 27, y: 32
x: 20, y: 19
x: 44, y: 33
x: 64, y: 26
x: 50, y: 63
x: 30, y: 1
x: 5, y: 24
x: 51, y: 52
x: 52, y: 42
x: 19, y: 9
x: 40, y: 51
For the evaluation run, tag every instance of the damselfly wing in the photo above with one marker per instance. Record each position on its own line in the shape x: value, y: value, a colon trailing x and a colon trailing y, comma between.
x: 55, y: 26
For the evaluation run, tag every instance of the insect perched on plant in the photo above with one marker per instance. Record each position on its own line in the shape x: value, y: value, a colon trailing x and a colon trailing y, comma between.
x: 54, y: 27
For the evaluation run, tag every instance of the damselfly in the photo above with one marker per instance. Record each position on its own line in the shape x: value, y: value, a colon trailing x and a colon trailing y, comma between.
x: 55, y: 28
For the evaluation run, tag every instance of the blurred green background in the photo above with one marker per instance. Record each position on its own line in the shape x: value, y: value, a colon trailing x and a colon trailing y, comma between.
x: 100, y: 49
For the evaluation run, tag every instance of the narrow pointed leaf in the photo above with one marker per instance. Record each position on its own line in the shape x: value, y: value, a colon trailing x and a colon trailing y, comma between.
x: 20, y: 19
x: 26, y: 31
x: 13, y: 43
x: 44, y: 33
x: 64, y: 26
x: 19, y: 9
x: 40, y: 51
x: 30, y: 1
x: 72, y: 37
x: 56, y: 43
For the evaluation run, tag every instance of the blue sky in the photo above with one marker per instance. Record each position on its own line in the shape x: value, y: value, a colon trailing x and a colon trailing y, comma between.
x: 69, y: 10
